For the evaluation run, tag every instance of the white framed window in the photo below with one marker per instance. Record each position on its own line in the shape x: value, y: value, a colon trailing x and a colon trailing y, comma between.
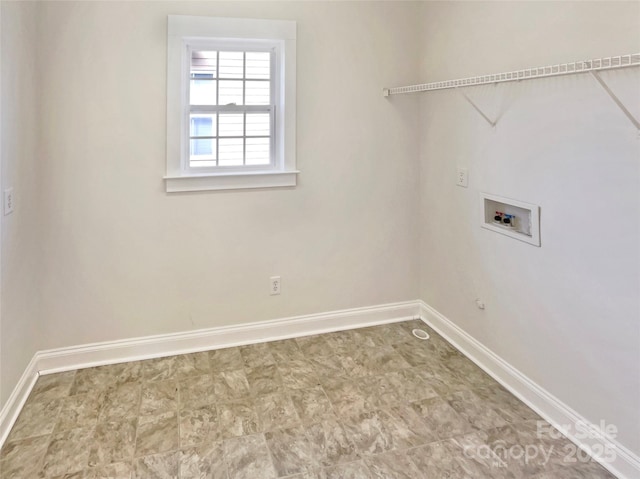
x: 230, y: 103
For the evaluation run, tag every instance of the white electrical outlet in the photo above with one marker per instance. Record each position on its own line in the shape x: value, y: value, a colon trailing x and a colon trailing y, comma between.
x: 275, y: 285
x: 8, y: 201
x: 462, y: 177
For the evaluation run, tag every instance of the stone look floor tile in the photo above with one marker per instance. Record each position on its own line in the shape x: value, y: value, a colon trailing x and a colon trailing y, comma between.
x: 413, y: 430
x: 126, y: 372
x: 52, y: 386
x: 353, y: 364
x: 346, y: 396
x: 276, y: 411
x: 341, y: 341
x: 379, y: 391
x: 23, y: 458
x: 196, y: 391
x: 353, y: 339
x: 79, y: 411
x: 505, y: 404
x: 297, y: 374
x: 374, y: 402
x: 469, y: 372
x: 588, y: 470
x: 285, y: 351
x: 420, y: 354
x: 159, y: 397
x: 199, y: 425
x: 331, y: 443
x: 157, y: 434
x: 291, y: 451
x: 120, y: 402
x: 228, y: 359
x: 379, y: 431
x: 477, y: 412
x: 475, y: 455
x: 315, y: 346
x: 238, y: 418
x: 120, y: 470
x: 370, y: 432
x: 381, y: 358
x: 206, y: 461
x: 409, y: 386
x: 36, y: 419
x: 392, y: 465
x: 440, y: 379
x: 439, y: 459
x: 264, y: 379
x: 68, y: 452
x: 441, y: 418
x: 159, y: 369
x: 312, y: 404
x: 248, y: 457
x: 501, y: 439
x: 391, y: 334
x: 113, y: 442
x: 327, y: 366
x: 93, y: 379
x: 255, y: 355
x: 157, y: 466
x: 195, y: 364
x: 230, y: 385
x: 353, y: 470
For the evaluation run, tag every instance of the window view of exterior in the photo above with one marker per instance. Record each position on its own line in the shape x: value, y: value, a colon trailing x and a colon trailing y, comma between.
x: 231, y: 109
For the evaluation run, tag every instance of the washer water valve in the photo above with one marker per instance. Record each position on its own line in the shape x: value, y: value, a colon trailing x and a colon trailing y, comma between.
x: 505, y: 219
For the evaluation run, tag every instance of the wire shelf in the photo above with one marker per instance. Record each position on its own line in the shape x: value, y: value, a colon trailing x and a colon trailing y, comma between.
x: 584, y: 66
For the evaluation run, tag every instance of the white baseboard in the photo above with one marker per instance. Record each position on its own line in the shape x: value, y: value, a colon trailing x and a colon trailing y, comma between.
x: 18, y: 397
x: 626, y: 464
x: 112, y: 352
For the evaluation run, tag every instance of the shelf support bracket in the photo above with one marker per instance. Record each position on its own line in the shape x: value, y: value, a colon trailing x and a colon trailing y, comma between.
x: 476, y: 108
x: 616, y: 100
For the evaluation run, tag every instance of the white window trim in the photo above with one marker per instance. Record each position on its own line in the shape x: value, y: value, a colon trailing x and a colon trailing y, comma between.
x: 188, y: 28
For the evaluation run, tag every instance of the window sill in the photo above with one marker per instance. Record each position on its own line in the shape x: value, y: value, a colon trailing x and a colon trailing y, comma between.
x: 231, y: 181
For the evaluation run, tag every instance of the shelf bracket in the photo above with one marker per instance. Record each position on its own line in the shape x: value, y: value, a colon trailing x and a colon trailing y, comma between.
x: 476, y: 108
x: 616, y: 100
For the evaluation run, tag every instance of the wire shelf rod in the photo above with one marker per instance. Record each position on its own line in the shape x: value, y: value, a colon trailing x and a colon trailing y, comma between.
x: 584, y: 66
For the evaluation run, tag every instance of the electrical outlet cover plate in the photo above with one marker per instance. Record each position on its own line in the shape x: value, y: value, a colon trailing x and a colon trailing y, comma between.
x: 8, y: 201
x: 462, y: 177
x: 275, y: 285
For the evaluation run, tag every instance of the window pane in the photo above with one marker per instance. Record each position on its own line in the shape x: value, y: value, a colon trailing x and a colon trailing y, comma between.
x: 230, y: 92
x: 258, y: 65
x: 257, y: 93
x: 258, y: 124
x: 202, y: 153
x: 231, y: 64
x: 202, y: 125
x: 202, y: 92
x: 231, y: 124
x: 230, y: 151
x: 258, y: 151
x: 203, y: 62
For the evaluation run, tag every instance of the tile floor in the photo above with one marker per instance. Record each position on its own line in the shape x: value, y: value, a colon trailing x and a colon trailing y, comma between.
x: 366, y: 403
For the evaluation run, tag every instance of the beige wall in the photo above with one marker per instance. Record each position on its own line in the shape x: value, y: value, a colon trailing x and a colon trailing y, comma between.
x: 124, y: 259
x: 566, y: 314
x: 21, y: 262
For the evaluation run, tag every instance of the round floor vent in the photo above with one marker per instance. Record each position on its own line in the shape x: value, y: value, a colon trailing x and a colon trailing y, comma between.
x: 420, y: 334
